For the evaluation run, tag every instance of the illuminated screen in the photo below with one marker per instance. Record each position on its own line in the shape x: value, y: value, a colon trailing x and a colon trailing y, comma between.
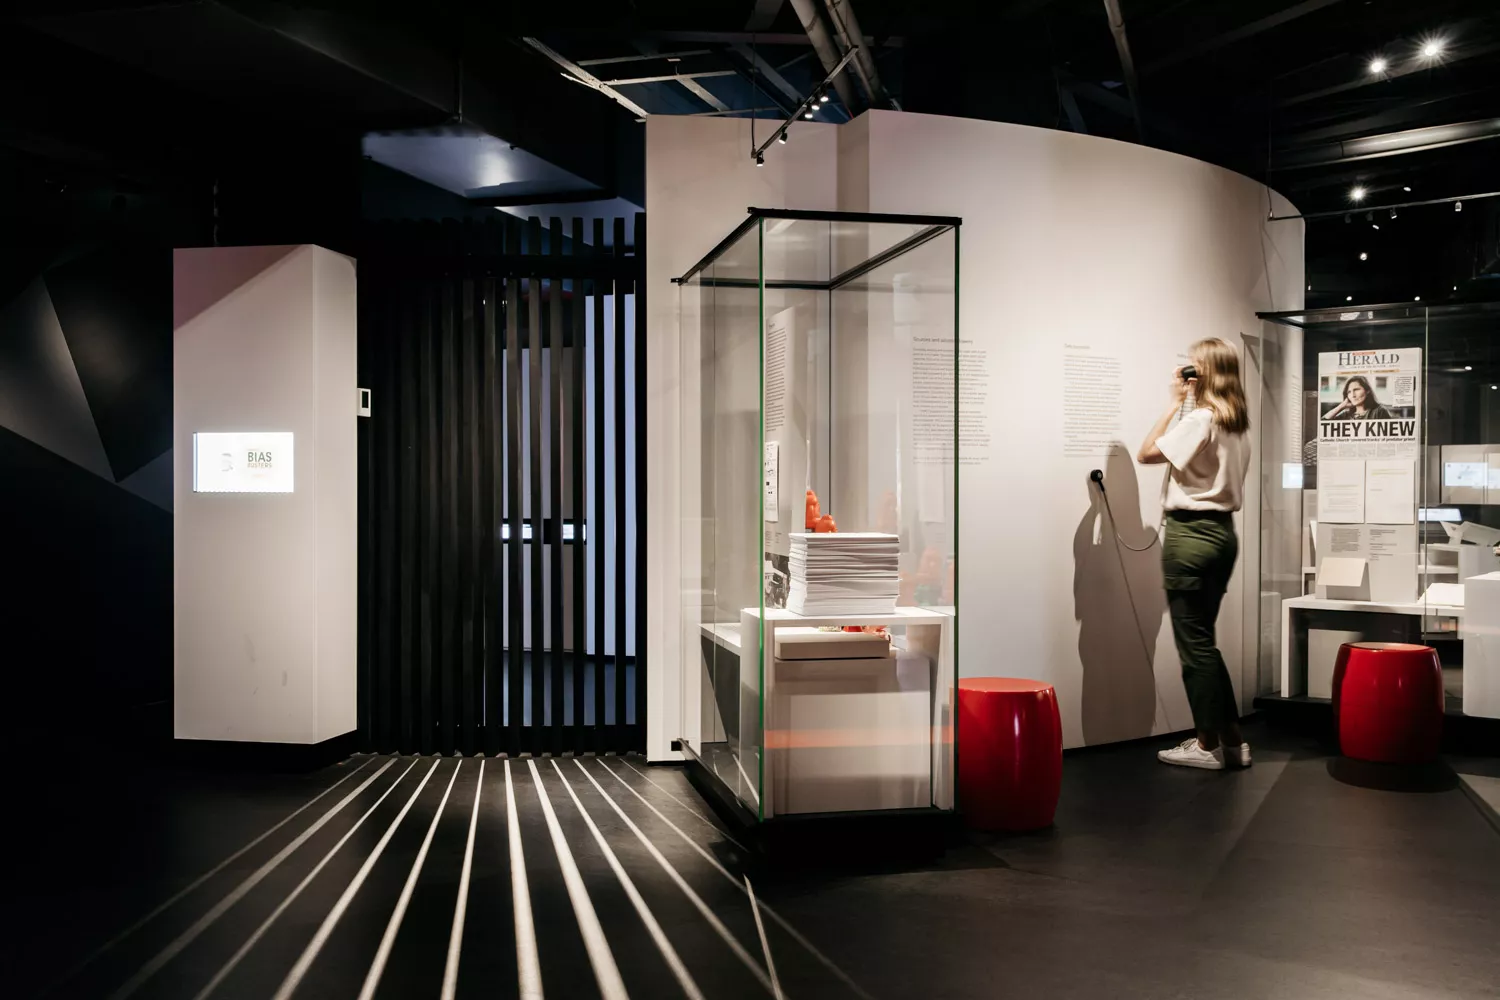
x: 242, y: 462
x: 1471, y: 474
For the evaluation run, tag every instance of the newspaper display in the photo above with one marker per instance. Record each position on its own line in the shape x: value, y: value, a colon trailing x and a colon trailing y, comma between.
x: 1368, y: 404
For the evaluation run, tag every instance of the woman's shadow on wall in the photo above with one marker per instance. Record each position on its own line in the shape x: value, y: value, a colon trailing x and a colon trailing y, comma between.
x: 1118, y: 602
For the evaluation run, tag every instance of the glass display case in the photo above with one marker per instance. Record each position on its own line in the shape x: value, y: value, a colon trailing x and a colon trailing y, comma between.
x: 820, y: 376
x: 1379, y: 442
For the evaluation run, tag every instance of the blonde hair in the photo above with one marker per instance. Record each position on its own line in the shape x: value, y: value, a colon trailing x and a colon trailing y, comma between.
x: 1219, y: 386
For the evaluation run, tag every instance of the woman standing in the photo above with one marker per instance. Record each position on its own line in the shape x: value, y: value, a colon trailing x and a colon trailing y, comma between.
x: 1359, y: 402
x: 1209, y: 453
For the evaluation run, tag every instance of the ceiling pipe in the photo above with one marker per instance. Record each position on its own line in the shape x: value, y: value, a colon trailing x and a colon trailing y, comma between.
x: 1390, y: 144
x: 846, y: 24
x: 1127, y: 64
x: 828, y: 53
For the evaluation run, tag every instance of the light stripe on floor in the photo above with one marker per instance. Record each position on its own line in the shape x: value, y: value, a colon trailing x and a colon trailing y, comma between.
x: 461, y: 905
x: 195, y: 883
x: 285, y: 904
x: 606, y: 972
x: 187, y: 937
x: 310, y: 953
x: 668, y: 953
x: 711, y: 918
x: 393, y: 926
x: 528, y: 963
x: 791, y: 931
x: 667, y: 792
x: 765, y: 945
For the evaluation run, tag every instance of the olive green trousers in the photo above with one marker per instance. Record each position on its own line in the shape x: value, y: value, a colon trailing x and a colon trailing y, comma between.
x: 1197, y: 557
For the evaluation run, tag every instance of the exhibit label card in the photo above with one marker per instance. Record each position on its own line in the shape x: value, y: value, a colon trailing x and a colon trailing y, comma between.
x: 1390, y: 491
x: 1341, y: 490
x: 242, y: 462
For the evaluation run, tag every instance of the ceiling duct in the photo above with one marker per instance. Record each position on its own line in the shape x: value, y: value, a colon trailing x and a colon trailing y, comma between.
x: 1390, y: 144
x: 828, y: 53
x: 841, y: 13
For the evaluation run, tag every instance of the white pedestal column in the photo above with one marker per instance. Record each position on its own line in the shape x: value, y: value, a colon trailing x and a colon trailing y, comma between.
x: 265, y: 582
x: 1482, y: 645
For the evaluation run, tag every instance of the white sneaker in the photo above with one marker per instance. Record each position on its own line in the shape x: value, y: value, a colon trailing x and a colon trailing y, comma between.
x: 1238, y: 756
x: 1189, y: 753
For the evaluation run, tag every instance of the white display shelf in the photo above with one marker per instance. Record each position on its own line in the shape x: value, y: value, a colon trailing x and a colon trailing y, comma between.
x: 727, y: 634
x: 1290, y: 618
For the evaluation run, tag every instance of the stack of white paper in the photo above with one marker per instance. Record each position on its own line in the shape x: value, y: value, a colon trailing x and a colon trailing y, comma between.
x: 844, y: 573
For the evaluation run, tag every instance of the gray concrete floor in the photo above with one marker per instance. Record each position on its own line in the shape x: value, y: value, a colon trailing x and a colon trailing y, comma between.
x: 1283, y: 881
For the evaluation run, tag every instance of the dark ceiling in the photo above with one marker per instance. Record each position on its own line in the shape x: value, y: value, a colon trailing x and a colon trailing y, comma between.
x: 1280, y: 90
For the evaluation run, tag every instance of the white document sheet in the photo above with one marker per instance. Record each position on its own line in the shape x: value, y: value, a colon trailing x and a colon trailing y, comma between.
x: 1390, y: 491
x: 1341, y: 491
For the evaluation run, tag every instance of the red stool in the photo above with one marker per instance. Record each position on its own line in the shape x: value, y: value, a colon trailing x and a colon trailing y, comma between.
x: 1388, y: 702
x: 1009, y: 753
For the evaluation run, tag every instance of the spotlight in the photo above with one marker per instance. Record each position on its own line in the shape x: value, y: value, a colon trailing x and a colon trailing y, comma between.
x: 1309, y: 288
x: 1407, y: 188
x: 782, y: 137
x: 1458, y: 206
x: 1455, y: 288
x: 823, y: 98
x: 1377, y: 65
x: 1495, y: 387
x: 1393, y: 213
x: 1418, y: 298
x: 760, y: 159
x: 1374, y: 225
x: 1357, y: 193
x: 1364, y: 256
x: 1432, y: 48
x: 808, y: 114
x: 1467, y: 368
x: 1348, y: 298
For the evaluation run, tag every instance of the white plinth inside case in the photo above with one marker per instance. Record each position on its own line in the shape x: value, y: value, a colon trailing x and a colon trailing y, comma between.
x: 1481, y: 631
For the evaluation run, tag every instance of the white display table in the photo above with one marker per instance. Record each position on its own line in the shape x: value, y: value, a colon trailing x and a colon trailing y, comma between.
x: 1294, y: 623
x: 1481, y: 631
x: 844, y: 735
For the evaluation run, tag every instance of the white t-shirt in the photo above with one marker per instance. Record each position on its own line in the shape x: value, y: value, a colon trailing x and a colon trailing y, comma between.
x: 1208, y: 464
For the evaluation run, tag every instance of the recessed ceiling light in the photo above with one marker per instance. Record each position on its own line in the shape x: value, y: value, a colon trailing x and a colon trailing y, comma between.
x: 1348, y: 298
x: 1364, y: 256
x: 1377, y: 65
x: 1357, y: 193
x: 1418, y: 298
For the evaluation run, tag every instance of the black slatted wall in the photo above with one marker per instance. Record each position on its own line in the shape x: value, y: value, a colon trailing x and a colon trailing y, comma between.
x: 502, y: 500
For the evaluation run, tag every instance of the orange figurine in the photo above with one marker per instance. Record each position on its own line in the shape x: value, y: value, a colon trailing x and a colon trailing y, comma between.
x: 825, y: 525
x: 811, y: 518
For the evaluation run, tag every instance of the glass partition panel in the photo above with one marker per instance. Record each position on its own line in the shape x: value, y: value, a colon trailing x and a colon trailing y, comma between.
x: 1381, y: 484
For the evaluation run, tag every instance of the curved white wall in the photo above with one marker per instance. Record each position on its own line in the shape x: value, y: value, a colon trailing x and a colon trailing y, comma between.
x: 1071, y: 246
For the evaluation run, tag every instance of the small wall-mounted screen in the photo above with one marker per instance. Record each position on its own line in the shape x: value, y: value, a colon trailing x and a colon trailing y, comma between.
x: 1470, y: 474
x: 242, y: 462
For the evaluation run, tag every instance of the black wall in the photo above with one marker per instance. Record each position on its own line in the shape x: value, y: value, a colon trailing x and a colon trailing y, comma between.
x: 102, y: 172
